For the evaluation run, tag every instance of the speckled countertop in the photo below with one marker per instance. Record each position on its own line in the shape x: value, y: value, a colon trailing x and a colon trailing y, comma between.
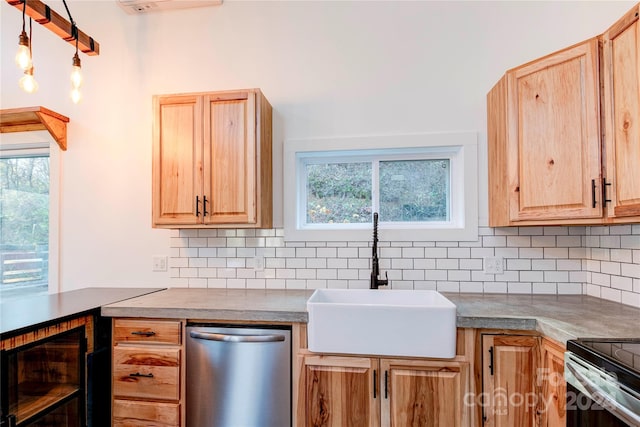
x: 217, y: 304
x: 561, y: 317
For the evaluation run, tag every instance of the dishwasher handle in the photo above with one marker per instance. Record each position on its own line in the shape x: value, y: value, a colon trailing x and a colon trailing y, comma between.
x: 236, y: 338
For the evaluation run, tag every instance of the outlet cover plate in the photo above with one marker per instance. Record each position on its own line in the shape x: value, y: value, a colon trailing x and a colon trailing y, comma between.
x: 494, y: 265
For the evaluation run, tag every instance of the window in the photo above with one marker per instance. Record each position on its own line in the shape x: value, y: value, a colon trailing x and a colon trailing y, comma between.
x: 24, y: 218
x: 424, y: 187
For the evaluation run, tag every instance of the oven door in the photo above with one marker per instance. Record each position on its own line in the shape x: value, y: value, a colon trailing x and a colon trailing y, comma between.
x: 596, y: 398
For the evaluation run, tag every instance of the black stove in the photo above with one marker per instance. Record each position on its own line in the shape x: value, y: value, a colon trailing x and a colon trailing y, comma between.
x: 603, y: 382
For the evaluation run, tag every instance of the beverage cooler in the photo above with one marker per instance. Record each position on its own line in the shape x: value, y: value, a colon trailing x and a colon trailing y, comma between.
x: 43, y: 383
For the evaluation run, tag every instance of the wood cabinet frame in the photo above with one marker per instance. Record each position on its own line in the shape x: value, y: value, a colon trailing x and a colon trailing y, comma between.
x: 212, y: 160
x: 548, y: 169
x: 454, y: 374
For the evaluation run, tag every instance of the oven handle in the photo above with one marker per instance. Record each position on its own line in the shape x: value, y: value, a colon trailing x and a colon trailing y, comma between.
x: 608, y: 403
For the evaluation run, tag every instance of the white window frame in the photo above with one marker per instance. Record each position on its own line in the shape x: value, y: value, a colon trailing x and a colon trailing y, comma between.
x: 460, y: 148
x: 38, y: 143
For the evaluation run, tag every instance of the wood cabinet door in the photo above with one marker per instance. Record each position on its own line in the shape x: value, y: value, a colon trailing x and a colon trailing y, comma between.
x: 509, y: 387
x: 554, y: 136
x: 621, y: 68
x: 230, y: 158
x: 341, y: 391
x: 177, y: 160
x: 421, y: 393
x: 552, y: 406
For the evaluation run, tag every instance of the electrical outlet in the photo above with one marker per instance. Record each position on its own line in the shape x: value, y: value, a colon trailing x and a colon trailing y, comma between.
x: 258, y: 263
x: 494, y: 265
x: 159, y: 263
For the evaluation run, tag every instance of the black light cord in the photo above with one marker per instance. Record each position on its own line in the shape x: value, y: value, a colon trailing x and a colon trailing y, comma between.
x: 74, y: 28
x: 30, y: 38
x: 24, y: 10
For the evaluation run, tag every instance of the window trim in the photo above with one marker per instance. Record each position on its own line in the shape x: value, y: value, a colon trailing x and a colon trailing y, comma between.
x: 34, y: 144
x: 464, y: 181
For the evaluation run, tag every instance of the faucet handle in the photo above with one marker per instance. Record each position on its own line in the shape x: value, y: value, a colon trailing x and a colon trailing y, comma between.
x: 384, y: 282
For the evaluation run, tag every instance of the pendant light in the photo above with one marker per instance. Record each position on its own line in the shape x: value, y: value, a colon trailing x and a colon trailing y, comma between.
x: 23, y: 56
x: 76, y: 74
x: 76, y: 69
x: 27, y: 82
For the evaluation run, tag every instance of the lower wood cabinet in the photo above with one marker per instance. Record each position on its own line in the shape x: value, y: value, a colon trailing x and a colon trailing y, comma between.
x: 341, y: 391
x: 148, y: 373
x: 522, y: 381
x: 127, y: 413
x: 424, y: 393
x: 374, y: 391
x: 553, y: 405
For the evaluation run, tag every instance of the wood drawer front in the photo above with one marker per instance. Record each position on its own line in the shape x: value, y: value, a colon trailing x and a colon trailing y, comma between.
x: 146, y: 372
x: 128, y: 413
x: 156, y: 331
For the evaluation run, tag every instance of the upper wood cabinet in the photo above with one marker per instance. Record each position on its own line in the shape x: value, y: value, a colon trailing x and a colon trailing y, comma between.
x: 621, y: 84
x: 212, y: 165
x: 544, y: 139
x: 556, y: 140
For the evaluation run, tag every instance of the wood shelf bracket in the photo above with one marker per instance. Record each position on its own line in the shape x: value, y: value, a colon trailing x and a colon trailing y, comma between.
x: 35, y: 118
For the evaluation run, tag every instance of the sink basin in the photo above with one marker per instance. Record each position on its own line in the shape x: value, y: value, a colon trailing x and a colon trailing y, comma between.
x: 382, y: 322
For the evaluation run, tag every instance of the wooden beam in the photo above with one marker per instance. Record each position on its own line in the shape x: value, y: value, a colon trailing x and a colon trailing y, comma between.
x: 35, y: 118
x: 44, y: 15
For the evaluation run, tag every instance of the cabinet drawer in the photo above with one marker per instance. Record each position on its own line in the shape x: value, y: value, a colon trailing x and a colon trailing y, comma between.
x: 156, y: 331
x: 146, y: 372
x: 127, y: 413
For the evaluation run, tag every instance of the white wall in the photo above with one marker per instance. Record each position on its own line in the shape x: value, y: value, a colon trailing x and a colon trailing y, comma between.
x: 328, y: 68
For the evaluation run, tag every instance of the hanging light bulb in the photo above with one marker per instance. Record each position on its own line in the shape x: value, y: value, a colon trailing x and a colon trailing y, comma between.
x: 23, y: 56
x: 28, y: 83
x: 76, y: 95
x: 76, y: 78
x: 76, y: 72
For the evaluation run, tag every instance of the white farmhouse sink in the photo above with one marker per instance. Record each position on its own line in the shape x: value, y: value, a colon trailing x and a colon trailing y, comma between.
x: 382, y: 322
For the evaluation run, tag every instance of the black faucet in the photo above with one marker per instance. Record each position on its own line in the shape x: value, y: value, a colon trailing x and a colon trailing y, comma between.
x: 375, y: 268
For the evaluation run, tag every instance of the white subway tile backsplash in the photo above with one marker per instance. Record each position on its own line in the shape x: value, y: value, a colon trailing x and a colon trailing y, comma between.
x: 543, y: 241
x: 610, y: 267
x: 531, y: 231
x: 630, y: 242
x: 598, y: 261
x: 631, y: 270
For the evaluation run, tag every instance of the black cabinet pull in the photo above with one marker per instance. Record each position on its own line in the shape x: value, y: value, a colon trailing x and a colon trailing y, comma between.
x: 605, y: 184
x: 143, y: 333
x: 204, y: 205
x: 386, y: 384
x: 138, y: 374
x: 197, y: 205
x: 593, y: 193
x: 491, y: 360
x: 375, y: 376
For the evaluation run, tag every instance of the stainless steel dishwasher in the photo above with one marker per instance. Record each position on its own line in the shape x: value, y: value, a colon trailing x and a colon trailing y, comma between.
x: 238, y: 377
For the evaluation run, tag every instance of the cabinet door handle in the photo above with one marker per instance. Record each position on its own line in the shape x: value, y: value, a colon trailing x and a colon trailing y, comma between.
x: 197, y: 205
x: 593, y: 193
x: 143, y: 333
x: 375, y: 377
x: 204, y: 206
x: 138, y: 374
x: 605, y: 184
x: 386, y: 384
